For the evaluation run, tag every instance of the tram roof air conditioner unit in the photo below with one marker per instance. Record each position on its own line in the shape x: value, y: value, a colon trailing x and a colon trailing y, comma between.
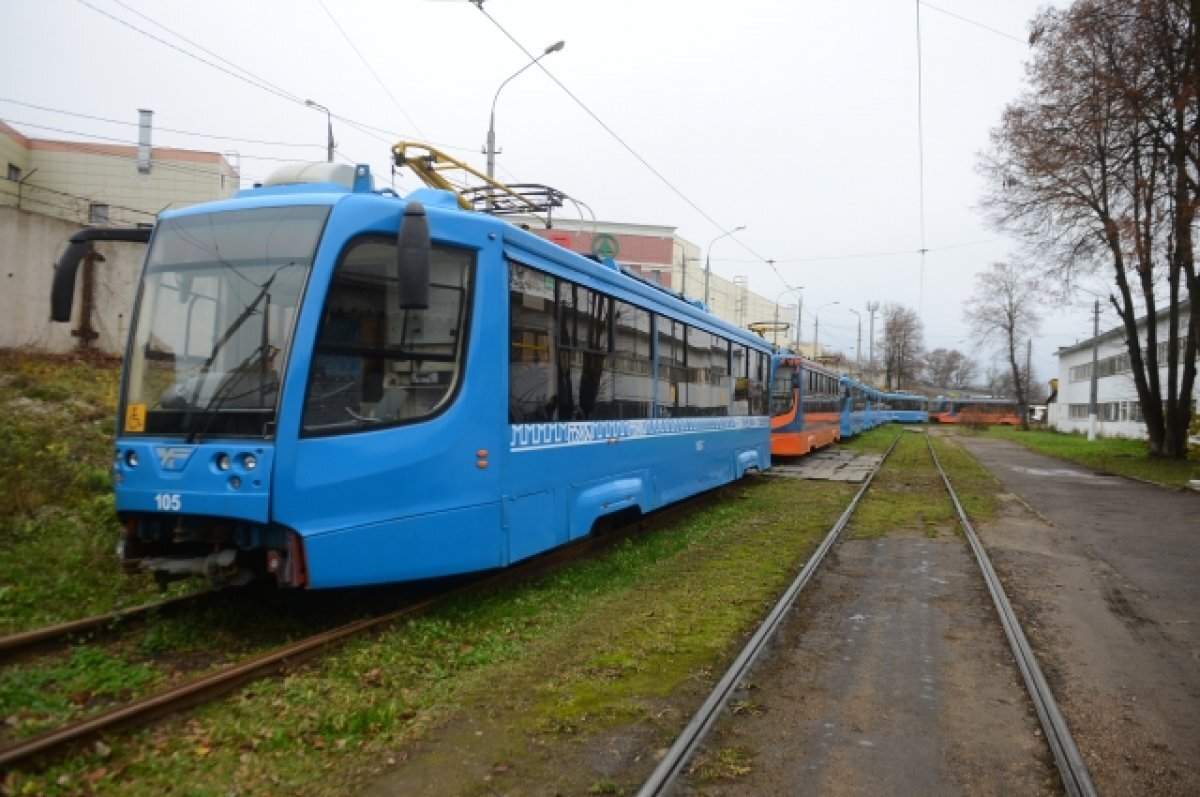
x: 301, y: 173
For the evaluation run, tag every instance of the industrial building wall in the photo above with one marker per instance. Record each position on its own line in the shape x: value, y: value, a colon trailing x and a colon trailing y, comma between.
x: 30, y: 243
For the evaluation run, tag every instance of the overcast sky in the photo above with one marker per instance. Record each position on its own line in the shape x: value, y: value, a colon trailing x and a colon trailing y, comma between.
x: 796, y: 118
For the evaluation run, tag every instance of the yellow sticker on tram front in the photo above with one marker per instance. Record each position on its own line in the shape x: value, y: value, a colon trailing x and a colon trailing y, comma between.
x: 135, y: 418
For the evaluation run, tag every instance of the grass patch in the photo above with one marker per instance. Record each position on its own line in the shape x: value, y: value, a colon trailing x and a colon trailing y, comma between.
x: 557, y: 661
x: 58, y: 527
x: 1106, y: 454
x: 908, y: 493
x: 728, y: 763
x: 874, y: 440
x: 33, y: 698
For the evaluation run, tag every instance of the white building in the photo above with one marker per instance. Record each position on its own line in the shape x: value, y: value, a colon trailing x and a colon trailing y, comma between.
x: 1118, y: 410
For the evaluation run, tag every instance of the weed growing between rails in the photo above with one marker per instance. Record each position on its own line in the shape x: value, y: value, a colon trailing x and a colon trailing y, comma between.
x: 908, y: 493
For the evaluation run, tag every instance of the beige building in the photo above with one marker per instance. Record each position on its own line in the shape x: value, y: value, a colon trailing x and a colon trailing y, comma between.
x: 52, y: 188
x: 108, y: 184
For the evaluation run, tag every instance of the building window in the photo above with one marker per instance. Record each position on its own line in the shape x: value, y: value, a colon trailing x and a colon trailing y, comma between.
x: 14, y: 173
x: 97, y: 213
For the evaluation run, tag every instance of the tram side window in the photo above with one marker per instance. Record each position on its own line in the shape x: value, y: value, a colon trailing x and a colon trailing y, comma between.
x: 671, y: 383
x: 707, y: 363
x: 708, y: 366
x: 758, y: 394
x: 719, y: 376
x: 585, y: 384
x: 633, y: 367
x: 375, y: 363
x: 533, y: 345
x: 739, y: 368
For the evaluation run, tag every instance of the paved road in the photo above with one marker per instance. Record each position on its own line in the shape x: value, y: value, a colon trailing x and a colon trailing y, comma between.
x: 1106, y: 580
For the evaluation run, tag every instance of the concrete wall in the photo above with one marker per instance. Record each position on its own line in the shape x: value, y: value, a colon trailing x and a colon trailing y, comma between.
x: 30, y: 243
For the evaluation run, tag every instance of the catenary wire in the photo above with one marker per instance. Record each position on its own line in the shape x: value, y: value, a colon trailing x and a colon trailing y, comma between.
x: 479, y: 4
x: 370, y: 69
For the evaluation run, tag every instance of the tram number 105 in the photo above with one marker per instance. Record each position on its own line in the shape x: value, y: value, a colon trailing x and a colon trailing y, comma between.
x: 168, y: 502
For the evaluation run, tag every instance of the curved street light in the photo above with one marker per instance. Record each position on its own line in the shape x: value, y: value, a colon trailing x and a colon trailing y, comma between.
x: 328, y: 128
x: 708, y: 262
x: 816, y: 328
x: 491, y: 135
x: 858, y: 345
x: 798, y: 289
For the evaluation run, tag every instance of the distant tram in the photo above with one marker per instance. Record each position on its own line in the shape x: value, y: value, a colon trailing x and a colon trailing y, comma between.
x: 807, y: 405
x: 981, y: 411
x: 904, y: 407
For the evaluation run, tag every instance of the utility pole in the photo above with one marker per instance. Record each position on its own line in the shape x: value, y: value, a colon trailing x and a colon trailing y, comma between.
x: 1028, y: 383
x: 1095, y: 371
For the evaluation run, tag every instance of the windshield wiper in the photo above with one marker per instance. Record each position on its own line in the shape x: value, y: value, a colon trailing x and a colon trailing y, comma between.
x: 241, y: 376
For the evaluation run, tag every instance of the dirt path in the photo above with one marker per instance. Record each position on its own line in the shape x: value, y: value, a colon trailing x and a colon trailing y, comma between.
x: 892, y: 677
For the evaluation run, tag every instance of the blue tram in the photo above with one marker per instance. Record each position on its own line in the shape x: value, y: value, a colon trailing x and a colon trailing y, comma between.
x: 330, y: 385
x: 905, y: 407
x: 860, y: 408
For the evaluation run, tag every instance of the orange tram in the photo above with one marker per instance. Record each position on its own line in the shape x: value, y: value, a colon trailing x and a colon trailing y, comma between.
x: 812, y: 407
x: 979, y: 410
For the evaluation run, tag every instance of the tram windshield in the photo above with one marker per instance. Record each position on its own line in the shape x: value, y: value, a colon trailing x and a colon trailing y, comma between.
x: 783, y: 389
x: 215, y: 320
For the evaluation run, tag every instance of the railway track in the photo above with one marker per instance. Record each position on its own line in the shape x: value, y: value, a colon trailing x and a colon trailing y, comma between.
x: 279, y: 660
x: 16, y: 646
x: 1072, y: 769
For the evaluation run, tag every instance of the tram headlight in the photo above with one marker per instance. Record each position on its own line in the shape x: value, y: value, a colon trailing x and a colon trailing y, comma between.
x: 249, y: 461
x: 131, y: 458
x: 222, y: 462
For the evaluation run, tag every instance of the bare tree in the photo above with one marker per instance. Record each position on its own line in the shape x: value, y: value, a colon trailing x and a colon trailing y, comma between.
x: 1096, y: 168
x: 902, y: 345
x: 949, y: 368
x: 1003, y: 310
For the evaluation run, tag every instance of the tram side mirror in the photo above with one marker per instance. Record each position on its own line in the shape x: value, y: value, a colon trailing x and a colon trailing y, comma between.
x: 412, y: 258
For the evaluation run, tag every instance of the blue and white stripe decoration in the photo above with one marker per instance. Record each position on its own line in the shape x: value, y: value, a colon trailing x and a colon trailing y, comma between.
x: 537, y: 436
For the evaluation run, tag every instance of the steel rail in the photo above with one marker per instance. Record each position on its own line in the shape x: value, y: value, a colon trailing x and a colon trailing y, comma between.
x: 670, y: 767
x: 1072, y: 768
x: 229, y: 679
x: 20, y: 643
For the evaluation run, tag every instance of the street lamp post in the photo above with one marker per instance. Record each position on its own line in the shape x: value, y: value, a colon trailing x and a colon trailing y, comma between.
x: 491, y: 135
x: 817, y: 329
x: 783, y: 293
x: 872, y: 308
x: 858, y: 344
x: 328, y: 128
x: 708, y: 260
